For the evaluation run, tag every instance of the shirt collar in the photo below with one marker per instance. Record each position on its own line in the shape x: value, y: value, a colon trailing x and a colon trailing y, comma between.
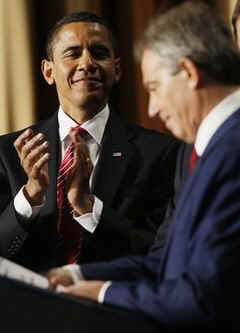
x: 215, y: 119
x: 95, y: 126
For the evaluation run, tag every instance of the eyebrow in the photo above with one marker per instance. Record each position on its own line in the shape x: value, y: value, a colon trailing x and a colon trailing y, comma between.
x: 77, y: 47
x: 71, y: 48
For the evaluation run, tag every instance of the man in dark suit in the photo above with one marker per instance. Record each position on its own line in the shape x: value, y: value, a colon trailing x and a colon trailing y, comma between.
x: 130, y: 169
x: 190, y: 68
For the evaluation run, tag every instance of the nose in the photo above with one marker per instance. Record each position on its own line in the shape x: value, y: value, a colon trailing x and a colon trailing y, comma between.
x: 87, y: 62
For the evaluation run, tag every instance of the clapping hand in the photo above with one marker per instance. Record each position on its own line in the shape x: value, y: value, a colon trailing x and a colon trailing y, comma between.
x: 32, y: 152
x: 78, y: 183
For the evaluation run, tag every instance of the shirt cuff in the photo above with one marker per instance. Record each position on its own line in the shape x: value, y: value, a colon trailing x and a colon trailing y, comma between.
x: 103, y: 290
x: 23, y: 207
x: 75, y: 272
x: 90, y: 221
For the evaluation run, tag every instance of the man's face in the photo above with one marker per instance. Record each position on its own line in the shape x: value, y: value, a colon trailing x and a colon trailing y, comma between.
x: 169, y: 97
x: 238, y: 32
x: 84, y: 67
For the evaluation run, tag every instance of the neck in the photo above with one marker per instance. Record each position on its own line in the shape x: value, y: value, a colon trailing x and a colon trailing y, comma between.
x: 207, y: 98
x: 213, y: 95
x: 81, y: 115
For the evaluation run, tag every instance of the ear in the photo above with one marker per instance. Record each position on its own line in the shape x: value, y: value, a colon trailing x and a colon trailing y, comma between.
x: 190, y: 72
x: 118, y: 70
x: 47, y: 70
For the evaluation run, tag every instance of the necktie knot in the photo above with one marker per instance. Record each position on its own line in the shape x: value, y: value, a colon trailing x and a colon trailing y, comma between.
x: 81, y: 131
x: 69, y: 152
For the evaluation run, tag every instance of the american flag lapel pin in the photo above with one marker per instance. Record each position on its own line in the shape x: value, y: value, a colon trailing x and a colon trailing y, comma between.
x: 117, y: 154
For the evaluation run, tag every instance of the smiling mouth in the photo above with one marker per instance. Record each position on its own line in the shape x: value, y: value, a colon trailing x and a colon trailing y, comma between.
x: 87, y: 81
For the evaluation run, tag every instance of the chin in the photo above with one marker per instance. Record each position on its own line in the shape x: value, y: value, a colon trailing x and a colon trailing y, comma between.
x: 91, y: 102
x: 177, y: 133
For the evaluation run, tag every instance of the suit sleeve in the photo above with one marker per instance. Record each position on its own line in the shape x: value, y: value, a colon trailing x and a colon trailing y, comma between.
x: 123, y: 268
x: 12, y: 231
x: 206, y: 289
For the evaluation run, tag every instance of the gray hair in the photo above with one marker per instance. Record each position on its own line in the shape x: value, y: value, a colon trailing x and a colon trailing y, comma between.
x: 195, y: 31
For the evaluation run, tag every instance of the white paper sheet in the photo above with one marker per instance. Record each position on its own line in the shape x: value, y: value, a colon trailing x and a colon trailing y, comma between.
x: 14, y: 271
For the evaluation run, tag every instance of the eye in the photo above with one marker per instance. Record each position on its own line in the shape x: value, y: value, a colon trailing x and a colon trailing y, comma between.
x: 72, y: 53
x: 153, y: 87
x: 99, y: 52
x: 152, y: 90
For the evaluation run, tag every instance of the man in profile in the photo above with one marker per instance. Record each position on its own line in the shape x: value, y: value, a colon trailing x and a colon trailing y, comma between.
x: 190, y: 66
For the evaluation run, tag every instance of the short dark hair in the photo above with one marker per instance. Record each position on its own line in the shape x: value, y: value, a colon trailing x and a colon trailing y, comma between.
x: 80, y: 17
x: 235, y: 16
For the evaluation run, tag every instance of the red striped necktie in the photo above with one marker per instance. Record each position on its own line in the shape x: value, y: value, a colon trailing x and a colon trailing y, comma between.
x: 193, y: 160
x: 70, y: 232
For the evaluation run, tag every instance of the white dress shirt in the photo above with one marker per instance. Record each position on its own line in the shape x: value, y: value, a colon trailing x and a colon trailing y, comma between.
x: 215, y: 119
x: 95, y: 127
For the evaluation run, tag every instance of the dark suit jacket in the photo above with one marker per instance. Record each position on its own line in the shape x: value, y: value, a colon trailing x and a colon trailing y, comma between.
x: 134, y: 187
x: 181, y: 175
x: 197, y: 281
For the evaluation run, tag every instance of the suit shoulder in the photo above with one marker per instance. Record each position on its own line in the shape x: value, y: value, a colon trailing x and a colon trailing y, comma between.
x: 153, y: 137
x: 9, y: 138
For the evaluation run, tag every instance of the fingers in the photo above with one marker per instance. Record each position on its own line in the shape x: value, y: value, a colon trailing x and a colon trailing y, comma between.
x: 89, y: 164
x: 59, y: 276
x: 82, y: 161
x: 32, y: 150
x: 85, y: 289
x: 78, y: 140
x: 71, y: 290
x: 53, y: 282
x: 34, y: 147
x: 22, y: 139
x: 78, y: 181
x: 38, y: 166
x: 76, y: 137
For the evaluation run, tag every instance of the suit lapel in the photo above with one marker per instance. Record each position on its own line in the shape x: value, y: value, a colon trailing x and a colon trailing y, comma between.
x: 115, y: 154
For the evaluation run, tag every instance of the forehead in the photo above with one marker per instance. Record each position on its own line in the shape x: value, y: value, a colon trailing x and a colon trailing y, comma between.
x: 152, y: 67
x: 83, y: 32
